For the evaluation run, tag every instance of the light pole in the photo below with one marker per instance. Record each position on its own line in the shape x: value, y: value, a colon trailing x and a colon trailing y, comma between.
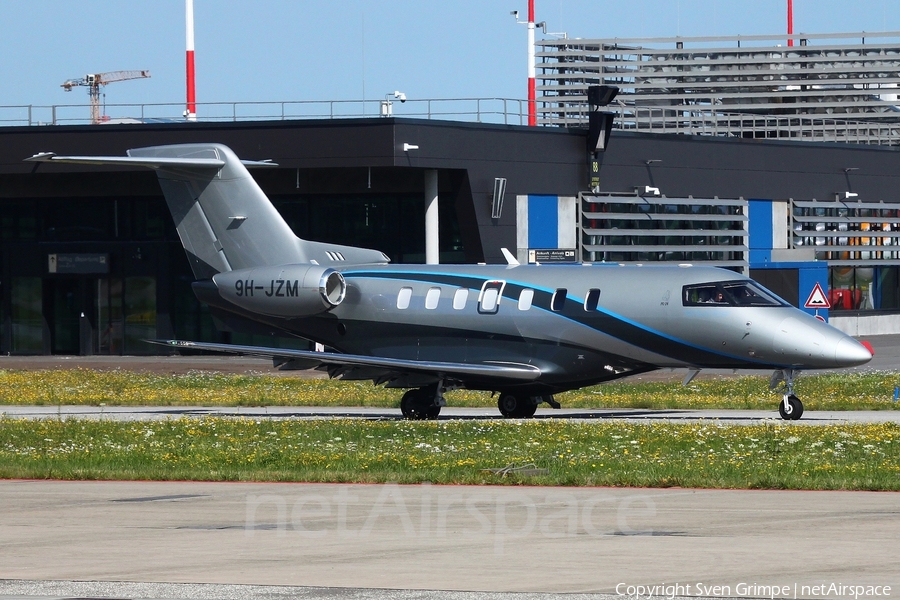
x: 532, y: 94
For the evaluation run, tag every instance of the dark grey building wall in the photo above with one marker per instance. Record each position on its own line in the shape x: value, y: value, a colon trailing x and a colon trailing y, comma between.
x: 338, y: 154
x: 730, y: 168
x: 341, y: 152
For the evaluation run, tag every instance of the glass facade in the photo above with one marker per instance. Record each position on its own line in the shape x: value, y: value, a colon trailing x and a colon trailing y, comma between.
x: 392, y: 223
x: 864, y: 288
x: 847, y: 233
x: 144, y: 290
x: 140, y: 313
x: 26, y: 315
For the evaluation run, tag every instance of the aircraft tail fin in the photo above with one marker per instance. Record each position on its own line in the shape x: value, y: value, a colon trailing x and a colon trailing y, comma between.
x: 223, y: 218
x: 226, y: 222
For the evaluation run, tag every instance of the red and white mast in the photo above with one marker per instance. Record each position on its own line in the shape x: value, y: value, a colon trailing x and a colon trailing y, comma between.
x: 532, y: 95
x: 191, y: 112
x: 790, y: 17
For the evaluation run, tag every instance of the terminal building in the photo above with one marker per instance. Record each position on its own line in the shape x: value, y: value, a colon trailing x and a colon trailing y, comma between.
x: 781, y: 163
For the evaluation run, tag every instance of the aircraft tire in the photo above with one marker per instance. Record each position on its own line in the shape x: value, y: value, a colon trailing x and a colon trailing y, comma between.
x: 507, y: 405
x: 796, y: 409
x: 417, y: 405
x: 529, y: 407
x: 516, y: 407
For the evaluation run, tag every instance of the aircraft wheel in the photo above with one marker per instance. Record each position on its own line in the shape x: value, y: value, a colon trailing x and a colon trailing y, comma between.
x: 793, y: 410
x: 516, y: 407
x: 529, y: 408
x: 418, y: 404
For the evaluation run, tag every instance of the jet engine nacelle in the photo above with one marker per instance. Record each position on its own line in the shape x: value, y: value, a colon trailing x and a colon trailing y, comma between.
x: 283, y: 291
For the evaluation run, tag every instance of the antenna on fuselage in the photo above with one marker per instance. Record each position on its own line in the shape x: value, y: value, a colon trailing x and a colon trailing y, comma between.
x: 510, y: 259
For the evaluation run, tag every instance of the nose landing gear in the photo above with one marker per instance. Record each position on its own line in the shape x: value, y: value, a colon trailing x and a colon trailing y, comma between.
x: 790, y: 407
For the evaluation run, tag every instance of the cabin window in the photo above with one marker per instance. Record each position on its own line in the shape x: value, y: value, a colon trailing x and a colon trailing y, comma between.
x: 460, y: 297
x: 525, y: 299
x: 432, y: 297
x: 489, y: 299
x: 403, y: 298
x: 592, y: 300
x: 558, y: 301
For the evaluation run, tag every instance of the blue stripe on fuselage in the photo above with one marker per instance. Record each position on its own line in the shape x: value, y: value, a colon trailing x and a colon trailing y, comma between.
x: 619, y: 327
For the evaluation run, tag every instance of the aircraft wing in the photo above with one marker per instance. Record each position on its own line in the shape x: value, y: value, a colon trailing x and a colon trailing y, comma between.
x: 489, y: 369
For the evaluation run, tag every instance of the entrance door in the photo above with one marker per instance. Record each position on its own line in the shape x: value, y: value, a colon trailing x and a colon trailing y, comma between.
x: 110, y: 319
x: 68, y: 306
x: 100, y: 315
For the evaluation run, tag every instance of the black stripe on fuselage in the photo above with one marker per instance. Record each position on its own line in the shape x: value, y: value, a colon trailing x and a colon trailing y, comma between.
x: 573, y: 310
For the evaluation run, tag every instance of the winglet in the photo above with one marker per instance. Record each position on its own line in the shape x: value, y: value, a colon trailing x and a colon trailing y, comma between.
x: 510, y: 259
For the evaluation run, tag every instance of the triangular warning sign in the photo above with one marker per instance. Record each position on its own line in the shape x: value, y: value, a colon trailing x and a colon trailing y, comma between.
x: 817, y: 299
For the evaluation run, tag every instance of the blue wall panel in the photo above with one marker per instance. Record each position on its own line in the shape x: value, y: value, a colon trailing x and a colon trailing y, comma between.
x: 811, y: 274
x: 760, y: 225
x: 543, y: 221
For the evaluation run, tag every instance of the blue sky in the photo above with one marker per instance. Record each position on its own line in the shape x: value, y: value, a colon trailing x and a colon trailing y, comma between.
x: 273, y: 50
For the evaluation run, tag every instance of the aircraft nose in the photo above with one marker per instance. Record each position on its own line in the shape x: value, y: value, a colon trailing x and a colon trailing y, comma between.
x: 850, y: 353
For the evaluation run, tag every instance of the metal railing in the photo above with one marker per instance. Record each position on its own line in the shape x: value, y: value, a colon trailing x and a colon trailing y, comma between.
x: 504, y: 111
x: 712, y: 122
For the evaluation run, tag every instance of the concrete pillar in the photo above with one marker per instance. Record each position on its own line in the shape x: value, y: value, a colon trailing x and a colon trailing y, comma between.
x: 432, y: 256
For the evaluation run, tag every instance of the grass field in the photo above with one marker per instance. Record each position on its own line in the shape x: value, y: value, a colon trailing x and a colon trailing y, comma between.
x: 858, y: 391
x: 707, y: 455
x: 772, y: 455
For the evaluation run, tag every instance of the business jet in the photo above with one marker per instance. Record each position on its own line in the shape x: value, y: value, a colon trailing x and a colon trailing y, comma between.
x: 524, y: 332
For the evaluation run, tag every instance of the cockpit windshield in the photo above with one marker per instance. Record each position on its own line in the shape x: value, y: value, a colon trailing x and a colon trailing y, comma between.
x: 729, y: 293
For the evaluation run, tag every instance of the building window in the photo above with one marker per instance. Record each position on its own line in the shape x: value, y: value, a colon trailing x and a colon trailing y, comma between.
x: 403, y: 298
x: 140, y: 314
x: 864, y: 288
x: 27, y: 321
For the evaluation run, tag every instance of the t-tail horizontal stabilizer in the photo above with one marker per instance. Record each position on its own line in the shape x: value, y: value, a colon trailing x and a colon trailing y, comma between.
x: 224, y: 219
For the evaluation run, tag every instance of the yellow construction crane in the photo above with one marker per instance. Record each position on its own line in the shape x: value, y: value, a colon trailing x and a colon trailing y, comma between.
x: 95, y: 80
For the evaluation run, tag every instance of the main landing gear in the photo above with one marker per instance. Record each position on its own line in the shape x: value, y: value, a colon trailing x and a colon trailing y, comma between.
x: 522, y: 407
x: 422, y: 403
x: 790, y: 408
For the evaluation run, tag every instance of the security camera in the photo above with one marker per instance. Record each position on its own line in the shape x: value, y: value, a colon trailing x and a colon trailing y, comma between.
x: 400, y: 96
x: 514, y: 13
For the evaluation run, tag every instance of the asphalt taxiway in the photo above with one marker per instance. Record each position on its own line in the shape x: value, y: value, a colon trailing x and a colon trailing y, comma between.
x: 259, y: 541
x: 155, y: 413
x: 453, y: 538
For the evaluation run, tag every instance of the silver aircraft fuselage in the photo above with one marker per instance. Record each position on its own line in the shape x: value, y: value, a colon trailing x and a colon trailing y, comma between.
x: 525, y: 331
x: 636, y: 318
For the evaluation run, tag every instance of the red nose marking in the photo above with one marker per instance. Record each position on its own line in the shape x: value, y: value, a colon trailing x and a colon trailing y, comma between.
x: 869, y: 347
